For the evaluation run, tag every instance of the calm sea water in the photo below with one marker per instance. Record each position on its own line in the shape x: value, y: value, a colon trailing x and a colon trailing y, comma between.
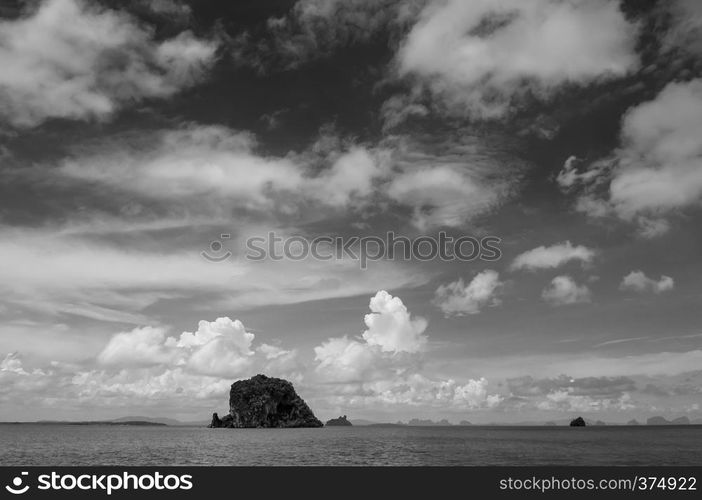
x: 109, y: 445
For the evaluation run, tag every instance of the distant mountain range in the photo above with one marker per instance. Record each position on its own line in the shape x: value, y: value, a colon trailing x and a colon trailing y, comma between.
x: 138, y: 420
x: 130, y: 420
x: 561, y: 422
x: 163, y: 420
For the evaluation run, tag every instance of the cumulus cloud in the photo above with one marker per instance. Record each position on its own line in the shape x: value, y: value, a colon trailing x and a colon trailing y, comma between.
x: 148, y: 366
x: 480, y: 58
x: 143, y: 346
x: 220, y: 348
x: 391, y: 327
x: 563, y: 290
x: 458, y: 298
x: 656, y: 171
x: 551, y: 257
x: 383, y: 365
x: 392, y: 335
x: 120, y: 62
x: 637, y: 281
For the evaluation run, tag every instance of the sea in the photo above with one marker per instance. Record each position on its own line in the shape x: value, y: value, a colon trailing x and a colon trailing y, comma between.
x: 58, y: 444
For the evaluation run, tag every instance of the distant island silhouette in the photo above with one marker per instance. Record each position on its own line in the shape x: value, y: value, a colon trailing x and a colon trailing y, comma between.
x: 339, y: 422
x: 578, y: 422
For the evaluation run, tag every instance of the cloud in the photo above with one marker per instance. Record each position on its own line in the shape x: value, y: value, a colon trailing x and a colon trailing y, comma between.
x: 350, y: 178
x: 563, y: 290
x: 566, y: 401
x: 416, y: 389
x: 685, y: 30
x: 656, y: 171
x: 565, y: 393
x: 196, y: 161
x: 637, y: 281
x: 596, y: 387
x: 118, y: 284
x: 391, y: 327
x: 441, y: 196
x: 659, y: 166
x: 143, y: 346
x: 481, y: 58
x: 120, y: 62
x: 215, y: 167
x: 221, y: 348
x: 457, y: 298
x: 383, y: 365
x: 544, y: 257
x: 450, y: 181
x: 314, y: 29
x: 570, y: 176
x: 347, y: 360
x: 390, y: 338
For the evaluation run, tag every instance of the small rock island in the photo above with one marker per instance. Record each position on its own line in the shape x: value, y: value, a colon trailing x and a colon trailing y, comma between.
x: 341, y: 422
x: 266, y: 402
x: 577, y: 422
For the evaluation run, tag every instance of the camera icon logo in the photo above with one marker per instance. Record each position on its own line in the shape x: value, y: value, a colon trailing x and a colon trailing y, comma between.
x: 16, y: 487
x: 218, y: 252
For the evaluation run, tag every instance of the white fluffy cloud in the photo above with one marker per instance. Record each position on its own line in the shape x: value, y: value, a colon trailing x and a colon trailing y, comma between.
x: 637, y: 281
x: 74, y: 59
x: 554, y: 256
x: 390, y: 326
x: 391, y: 337
x: 563, y: 290
x: 658, y: 168
x: 660, y: 165
x: 145, y: 346
x: 479, y: 57
x: 220, y: 348
x: 459, y: 298
x: 382, y: 367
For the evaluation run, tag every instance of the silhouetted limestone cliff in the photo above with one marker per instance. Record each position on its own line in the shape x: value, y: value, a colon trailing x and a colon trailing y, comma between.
x: 577, y: 422
x: 341, y: 421
x: 265, y: 402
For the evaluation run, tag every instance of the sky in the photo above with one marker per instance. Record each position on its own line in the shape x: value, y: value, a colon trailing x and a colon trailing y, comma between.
x: 142, y: 143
